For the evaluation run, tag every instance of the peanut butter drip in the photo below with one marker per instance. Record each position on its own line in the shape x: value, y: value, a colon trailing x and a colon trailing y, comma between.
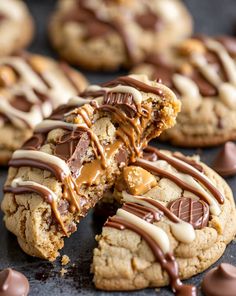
x: 187, y: 168
x: 166, y: 259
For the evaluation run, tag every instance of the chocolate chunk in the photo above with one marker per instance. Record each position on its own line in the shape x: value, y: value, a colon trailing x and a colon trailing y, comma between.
x: 71, y: 147
x: 123, y: 100
x: 193, y: 211
x: 21, y: 103
x: 13, y: 283
x: 35, y: 142
x: 58, y: 114
x: 149, y: 21
x: 229, y: 43
x: 122, y: 157
x: 225, y: 161
x: 220, y: 281
x: 206, y: 89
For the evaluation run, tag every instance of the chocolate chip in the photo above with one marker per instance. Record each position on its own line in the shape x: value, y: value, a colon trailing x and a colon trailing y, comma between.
x: 225, y: 161
x: 13, y: 283
x: 193, y: 211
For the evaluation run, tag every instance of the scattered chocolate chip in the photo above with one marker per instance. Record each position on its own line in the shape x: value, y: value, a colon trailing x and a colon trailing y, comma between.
x: 71, y: 147
x: 225, y: 161
x: 35, y: 142
x: 13, y: 283
x: 193, y: 211
x: 220, y: 281
x: 123, y: 100
x: 189, y: 161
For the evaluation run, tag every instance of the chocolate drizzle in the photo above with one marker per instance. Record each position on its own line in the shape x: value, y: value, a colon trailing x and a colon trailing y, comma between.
x: 179, y: 165
x: 127, y: 80
x: 145, y: 213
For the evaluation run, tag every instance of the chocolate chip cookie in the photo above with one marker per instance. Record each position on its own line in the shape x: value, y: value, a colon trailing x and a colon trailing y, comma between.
x: 177, y: 217
x: 105, y: 35
x: 202, y: 72
x: 16, y: 26
x: 31, y: 86
x: 75, y: 155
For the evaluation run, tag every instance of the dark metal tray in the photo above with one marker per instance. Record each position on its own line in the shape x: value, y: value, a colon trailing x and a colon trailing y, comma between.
x: 211, y: 17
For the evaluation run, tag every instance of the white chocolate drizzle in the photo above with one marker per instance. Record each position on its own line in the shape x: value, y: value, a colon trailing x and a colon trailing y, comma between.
x: 154, y: 231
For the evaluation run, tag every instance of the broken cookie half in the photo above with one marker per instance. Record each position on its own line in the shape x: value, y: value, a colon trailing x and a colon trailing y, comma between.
x: 77, y: 154
x: 176, y: 219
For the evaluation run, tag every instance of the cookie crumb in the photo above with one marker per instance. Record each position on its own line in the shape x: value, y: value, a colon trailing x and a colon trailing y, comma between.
x: 63, y: 271
x: 65, y: 260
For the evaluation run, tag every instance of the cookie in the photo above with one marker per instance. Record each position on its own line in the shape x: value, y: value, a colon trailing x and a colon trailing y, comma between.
x: 176, y: 219
x: 31, y: 86
x: 202, y: 72
x: 77, y: 154
x: 14, y: 19
x: 105, y: 35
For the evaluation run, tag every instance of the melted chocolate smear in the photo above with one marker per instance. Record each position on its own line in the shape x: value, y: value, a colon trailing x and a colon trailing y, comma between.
x: 193, y: 211
x: 59, y: 113
x: 225, y: 161
x: 35, y: 142
x: 123, y: 100
x: 71, y: 147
